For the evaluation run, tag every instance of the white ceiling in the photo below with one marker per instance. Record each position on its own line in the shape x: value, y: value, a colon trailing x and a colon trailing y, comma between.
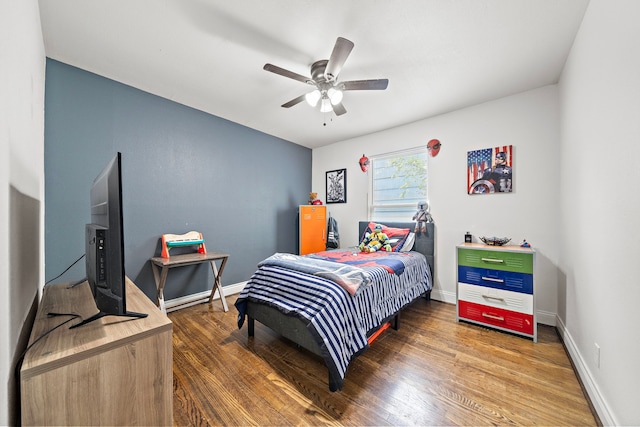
x: 439, y: 55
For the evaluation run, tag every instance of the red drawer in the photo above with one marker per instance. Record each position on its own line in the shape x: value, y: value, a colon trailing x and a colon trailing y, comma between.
x: 512, y: 320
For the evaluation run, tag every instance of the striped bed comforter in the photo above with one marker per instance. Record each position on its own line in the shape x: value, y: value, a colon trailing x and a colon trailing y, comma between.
x: 337, y: 320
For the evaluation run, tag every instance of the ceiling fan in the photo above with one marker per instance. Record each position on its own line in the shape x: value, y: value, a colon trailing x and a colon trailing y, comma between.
x: 328, y: 90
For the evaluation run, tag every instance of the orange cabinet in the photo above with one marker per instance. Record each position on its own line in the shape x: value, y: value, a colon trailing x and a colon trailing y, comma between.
x: 312, y: 233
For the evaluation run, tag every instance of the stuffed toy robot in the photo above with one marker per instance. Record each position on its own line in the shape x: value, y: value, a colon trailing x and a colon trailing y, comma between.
x: 422, y: 217
x: 375, y: 241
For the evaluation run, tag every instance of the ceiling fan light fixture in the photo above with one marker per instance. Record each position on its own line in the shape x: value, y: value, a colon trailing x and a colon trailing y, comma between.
x: 325, y: 106
x: 335, y: 96
x: 327, y: 90
x: 312, y: 98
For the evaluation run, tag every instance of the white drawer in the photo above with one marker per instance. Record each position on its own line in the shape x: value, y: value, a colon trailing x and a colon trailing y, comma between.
x: 499, y: 298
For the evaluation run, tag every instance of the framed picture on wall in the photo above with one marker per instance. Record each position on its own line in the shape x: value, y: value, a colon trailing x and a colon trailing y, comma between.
x: 490, y: 170
x: 337, y: 186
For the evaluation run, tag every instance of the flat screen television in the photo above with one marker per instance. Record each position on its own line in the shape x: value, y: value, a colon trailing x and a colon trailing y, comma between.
x: 104, y: 245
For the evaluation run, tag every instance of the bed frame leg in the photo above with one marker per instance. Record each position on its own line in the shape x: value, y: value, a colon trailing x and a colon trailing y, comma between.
x: 250, y: 325
x: 395, y: 322
x: 335, y: 384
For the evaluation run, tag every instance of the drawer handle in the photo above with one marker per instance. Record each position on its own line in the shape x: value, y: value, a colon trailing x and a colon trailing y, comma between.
x: 491, y: 279
x: 490, y: 316
x: 495, y: 298
x: 492, y: 260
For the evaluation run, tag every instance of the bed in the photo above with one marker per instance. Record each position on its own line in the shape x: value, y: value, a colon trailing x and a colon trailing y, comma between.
x: 335, y: 303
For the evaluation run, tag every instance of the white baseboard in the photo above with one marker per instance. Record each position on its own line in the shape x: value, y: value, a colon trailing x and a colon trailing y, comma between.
x: 448, y: 297
x: 590, y: 386
x: 199, y: 298
x: 546, y: 318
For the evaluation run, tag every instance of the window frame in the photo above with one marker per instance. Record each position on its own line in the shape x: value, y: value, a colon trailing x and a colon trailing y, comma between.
x: 410, y: 206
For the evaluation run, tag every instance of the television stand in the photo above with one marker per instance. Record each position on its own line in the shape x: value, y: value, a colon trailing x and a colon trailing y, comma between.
x: 109, y: 372
x: 102, y: 314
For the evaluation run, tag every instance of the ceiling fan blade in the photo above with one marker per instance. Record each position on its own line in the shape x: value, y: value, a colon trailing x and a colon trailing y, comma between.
x: 339, y: 109
x: 286, y: 73
x: 294, y: 101
x: 340, y: 53
x: 378, y: 84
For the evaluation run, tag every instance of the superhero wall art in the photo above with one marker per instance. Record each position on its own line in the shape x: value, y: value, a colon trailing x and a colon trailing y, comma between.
x: 490, y: 170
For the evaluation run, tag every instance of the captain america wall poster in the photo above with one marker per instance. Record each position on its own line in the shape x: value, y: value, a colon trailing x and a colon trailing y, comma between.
x: 490, y: 170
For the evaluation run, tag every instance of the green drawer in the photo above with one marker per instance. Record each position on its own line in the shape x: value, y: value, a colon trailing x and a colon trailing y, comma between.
x: 496, y: 260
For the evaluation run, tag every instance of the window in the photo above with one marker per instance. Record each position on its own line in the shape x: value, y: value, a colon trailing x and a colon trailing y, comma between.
x: 398, y: 181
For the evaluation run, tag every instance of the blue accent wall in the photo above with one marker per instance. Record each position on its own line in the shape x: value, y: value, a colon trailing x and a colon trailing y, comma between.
x: 183, y: 170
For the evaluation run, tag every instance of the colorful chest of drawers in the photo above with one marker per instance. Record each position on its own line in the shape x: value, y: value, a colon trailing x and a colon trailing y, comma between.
x: 496, y: 287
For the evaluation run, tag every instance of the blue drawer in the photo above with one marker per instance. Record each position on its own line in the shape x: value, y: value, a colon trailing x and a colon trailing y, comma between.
x: 507, y: 280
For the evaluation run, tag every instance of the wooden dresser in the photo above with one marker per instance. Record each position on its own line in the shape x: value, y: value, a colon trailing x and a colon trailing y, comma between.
x: 496, y: 287
x: 114, y: 371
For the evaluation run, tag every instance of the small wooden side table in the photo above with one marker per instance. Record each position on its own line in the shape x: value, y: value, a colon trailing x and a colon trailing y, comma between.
x: 162, y: 265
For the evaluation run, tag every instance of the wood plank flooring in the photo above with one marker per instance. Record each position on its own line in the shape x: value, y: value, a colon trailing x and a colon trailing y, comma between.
x: 432, y: 371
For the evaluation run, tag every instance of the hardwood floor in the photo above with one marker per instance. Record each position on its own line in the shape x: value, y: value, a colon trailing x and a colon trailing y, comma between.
x: 432, y: 371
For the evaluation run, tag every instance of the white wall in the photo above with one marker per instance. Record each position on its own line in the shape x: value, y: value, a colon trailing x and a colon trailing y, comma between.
x: 529, y: 122
x: 576, y: 171
x: 599, y: 290
x: 21, y: 165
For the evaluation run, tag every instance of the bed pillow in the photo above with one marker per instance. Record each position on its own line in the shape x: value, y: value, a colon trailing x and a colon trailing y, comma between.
x: 408, y: 244
x: 397, y: 236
